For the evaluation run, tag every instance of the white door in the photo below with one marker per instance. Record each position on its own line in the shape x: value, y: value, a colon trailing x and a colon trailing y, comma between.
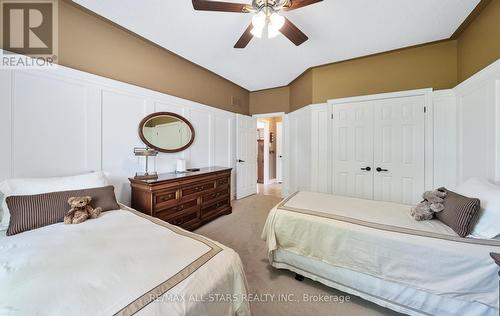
x: 353, y: 149
x: 399, y: 149
x: 279, y: 152
x: 246, y: 156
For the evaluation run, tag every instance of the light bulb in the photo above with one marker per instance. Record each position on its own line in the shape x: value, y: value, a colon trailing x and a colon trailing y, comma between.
x: 276, y: 21
x: 272, y: 32
x: 259, y: 20
x: 257, y: 31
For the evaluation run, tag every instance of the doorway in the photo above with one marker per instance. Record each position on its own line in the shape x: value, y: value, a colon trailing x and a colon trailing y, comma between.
x: 269, y: 154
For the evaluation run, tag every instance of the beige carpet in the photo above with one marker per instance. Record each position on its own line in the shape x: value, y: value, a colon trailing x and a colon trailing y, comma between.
x: 241, y: 231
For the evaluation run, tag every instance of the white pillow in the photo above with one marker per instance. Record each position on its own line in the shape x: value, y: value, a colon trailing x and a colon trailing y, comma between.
x: 488, y: 222
x: 46, y: 185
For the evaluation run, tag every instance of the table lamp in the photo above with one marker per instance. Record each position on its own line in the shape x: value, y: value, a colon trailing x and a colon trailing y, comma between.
x: 145, y: 152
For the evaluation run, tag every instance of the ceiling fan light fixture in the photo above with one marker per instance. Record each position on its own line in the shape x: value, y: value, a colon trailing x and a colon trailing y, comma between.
x: 272, y: 32
x: 259, y: 20
x: 266, y: 18
x: 257, y: 31
x: 276, y: 21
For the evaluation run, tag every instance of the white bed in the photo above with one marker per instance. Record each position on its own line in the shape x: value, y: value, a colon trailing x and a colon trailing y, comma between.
x: 377, y: 251
x: 122, y: 263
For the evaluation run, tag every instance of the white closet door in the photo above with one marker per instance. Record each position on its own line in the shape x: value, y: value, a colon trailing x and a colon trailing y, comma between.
x: 353, y: 149
x: 246, y: 167
x: 399, y: 155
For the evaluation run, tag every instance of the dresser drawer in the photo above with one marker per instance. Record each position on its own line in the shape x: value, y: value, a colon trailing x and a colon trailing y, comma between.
x: 222, y: 192
x: 214, y: 208
x: 222, y: 181
x: 164, y: 199
x: 185, y: 218
x: 172, y: 212
x: 196, y: 189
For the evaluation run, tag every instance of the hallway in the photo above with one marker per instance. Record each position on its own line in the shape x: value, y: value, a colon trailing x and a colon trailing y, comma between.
x: 273, y: 189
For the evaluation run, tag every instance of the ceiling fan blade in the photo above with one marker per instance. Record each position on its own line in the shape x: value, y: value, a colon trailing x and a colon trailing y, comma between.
x: 293, y: 33
x: 295, y: 4
x: 204, y: 5
x: 245, y: 38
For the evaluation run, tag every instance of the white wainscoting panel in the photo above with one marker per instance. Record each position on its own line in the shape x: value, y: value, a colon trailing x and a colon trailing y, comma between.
x: 65, y: 122
x: 319, y: 148
x: 200, y: 151
x: 223, y: 151
x: 445, y: 139
x: 478, y: 137
x: 5, y: 124
x: 53, y: 126
x: 223, y: 140
x: 478, y: 125
x: 121, y: 114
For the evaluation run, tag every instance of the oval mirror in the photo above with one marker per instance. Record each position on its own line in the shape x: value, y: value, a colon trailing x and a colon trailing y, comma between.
x: 166, y: 132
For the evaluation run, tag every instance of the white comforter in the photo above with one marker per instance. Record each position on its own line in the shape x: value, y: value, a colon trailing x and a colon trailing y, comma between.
x: 118, y: 263
x: 451, y: 268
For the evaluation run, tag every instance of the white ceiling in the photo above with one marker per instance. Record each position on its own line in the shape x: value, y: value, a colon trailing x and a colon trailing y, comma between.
x: 337, y: 30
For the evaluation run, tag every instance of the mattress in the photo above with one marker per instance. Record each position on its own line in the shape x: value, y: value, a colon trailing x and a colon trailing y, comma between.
x: 381, y: 240
x: 122, y: 263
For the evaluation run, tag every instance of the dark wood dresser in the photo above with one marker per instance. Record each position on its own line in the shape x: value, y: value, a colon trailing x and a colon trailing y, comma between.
x: 188, y: 200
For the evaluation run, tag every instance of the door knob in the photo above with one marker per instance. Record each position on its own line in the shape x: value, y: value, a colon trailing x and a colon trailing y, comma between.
x: 381, y: 170
x: 239, y: 160
x: 366, y: 169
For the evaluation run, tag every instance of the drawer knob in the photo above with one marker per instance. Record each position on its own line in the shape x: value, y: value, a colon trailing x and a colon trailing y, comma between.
x: 168, y: 197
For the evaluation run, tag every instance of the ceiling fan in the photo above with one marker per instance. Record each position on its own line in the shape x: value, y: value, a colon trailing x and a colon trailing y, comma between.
x: 266, y: 17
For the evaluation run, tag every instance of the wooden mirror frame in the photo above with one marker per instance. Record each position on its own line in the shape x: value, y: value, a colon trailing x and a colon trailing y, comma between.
x: 153, y: 115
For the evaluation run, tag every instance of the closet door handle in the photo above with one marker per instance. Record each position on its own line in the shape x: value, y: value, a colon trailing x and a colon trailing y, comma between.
x: 241, y: 161
x: 366, y: 169
x: 381, y: 170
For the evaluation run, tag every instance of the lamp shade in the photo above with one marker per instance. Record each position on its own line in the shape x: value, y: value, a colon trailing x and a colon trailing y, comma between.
x: 259, y: 20
x: 257, y: 31
x: 276, y: 21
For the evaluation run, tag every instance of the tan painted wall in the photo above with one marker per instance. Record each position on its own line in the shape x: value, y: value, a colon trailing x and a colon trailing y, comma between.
x: 433, y: 65
x: 479, y: 44
x: 301, y: 91
x: 91, y: 44
x: 270, y: 101
x: 429, y: 66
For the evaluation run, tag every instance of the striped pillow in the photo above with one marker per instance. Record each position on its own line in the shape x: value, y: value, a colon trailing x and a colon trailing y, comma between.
x: 29, y: 212
x: 459, y: 212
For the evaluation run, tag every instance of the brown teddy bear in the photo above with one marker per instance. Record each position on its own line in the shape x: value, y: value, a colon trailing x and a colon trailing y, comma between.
x: 432, y: 204
x: 81, y: 210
